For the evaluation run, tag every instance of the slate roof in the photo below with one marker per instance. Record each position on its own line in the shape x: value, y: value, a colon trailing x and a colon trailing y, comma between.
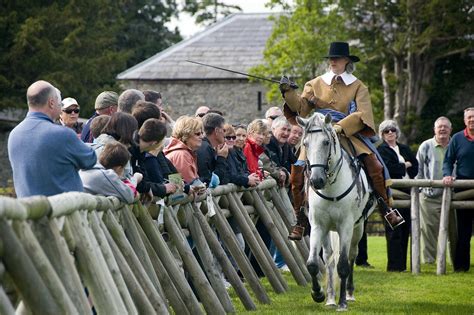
x: 237, y: 43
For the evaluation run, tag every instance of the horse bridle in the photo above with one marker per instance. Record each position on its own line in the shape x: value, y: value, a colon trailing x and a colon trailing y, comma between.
x: 337, y: 167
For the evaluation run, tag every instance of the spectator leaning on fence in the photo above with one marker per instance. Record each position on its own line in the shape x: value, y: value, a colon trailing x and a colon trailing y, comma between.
x: 105, y: 104
x: 430, y: 158
x: 156, y: 98
x: 185, y: 140
x: 45, y: 157
x: 461, y: 152
x: 105, y: 178
x: 256, y: 132
x: 280, y: 151
x: 128, y: 99
x: 70, y: 114
x: 239, y: 174
x: 212, y: 154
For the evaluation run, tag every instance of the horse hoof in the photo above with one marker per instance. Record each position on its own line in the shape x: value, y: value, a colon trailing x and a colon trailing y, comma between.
x: 342, y: 308
x: 350, y: 297
x: 331, y: 302
x: 318, y: 297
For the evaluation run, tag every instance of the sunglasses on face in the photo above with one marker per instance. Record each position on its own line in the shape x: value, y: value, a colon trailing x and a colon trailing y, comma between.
x: 230, y: 137
x: 200, y: 115
x: 273, y: 117
x: 390, y: 130
x: 198, y: 134
x: 70, y: 111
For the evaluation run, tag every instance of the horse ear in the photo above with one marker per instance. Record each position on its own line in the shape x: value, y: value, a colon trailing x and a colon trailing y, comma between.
x: 327, y: 119
x: 301, y: 121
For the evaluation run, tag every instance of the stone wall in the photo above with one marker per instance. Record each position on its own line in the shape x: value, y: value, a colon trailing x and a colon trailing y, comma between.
x: 237, y: 99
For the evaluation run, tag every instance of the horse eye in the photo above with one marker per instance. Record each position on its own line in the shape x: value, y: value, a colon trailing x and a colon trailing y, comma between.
x: 326, y: 142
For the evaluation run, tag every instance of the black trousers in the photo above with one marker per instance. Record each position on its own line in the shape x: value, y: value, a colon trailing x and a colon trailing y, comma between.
x: 362, y: 255
x: 462, y: 257
x: 397, y: 243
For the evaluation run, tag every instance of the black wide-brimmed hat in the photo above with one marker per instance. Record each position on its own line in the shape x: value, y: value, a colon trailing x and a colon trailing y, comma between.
x: 340, y: 49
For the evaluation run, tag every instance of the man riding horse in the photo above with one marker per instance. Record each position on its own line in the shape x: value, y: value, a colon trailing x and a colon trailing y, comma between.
x: 340, y: 92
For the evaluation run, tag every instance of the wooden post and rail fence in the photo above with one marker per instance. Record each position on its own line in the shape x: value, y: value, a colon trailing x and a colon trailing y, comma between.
x: 53, y: 249
x: 450, y: 201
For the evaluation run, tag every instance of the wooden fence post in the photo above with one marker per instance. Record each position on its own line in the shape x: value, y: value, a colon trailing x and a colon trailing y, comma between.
x: 93, y: 268
x: 6, y: 306
x: 224, y: 262
x: 126, y: 248
x: 44, y: 267
x: 23, y: 272
x: 111, y: 262
x: 295, y: 253
x: 301, y: 245
x: 139, y: 297
x: 443, y: 231
x: 230, y: 241
x: 265, y: 251
x: 415, y: 230
x: 277, y: 238
x: 164, y: 253
x: 206, y: 293
x: 171, y: 293
x: 209, y: 263
x: 138, y: 247
x: 260, y: 252
x: 57, y: 251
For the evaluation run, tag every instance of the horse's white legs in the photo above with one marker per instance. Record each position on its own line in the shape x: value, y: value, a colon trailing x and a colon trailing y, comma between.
x: 345, y: 232
x: 330, y: 260
x: 357, y: 235
x: 312, y: 264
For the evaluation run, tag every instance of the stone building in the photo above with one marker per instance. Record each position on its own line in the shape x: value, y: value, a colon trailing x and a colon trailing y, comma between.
x: 237, y: 43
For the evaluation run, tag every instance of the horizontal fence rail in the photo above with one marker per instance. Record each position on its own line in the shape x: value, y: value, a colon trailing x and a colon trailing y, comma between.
x: 68, y: 253
x: 450, y: 201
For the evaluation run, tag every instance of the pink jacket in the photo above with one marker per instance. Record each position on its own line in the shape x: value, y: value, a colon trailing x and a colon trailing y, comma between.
x: 183, y: 158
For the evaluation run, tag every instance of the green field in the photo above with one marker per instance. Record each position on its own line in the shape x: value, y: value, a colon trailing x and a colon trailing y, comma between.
x: 381, y: 292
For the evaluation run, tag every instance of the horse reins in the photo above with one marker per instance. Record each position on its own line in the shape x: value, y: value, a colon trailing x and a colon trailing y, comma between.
x: 338, y: 166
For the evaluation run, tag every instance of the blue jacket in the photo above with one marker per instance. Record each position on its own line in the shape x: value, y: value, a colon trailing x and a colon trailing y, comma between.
x: 86, y: 134
x: 461, y: 152
x: 46, y: 157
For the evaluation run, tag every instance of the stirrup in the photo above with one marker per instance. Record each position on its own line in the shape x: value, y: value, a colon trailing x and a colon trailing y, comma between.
x: 394, y: 219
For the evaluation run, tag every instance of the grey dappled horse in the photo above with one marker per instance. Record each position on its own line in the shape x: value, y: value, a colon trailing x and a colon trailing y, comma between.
x: 338, y: 196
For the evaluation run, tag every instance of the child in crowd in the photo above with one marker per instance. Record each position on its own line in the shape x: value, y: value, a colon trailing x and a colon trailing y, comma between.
x: 106, y: 178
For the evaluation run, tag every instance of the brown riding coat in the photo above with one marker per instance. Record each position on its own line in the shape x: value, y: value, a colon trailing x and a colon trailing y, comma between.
x: 337, y: 96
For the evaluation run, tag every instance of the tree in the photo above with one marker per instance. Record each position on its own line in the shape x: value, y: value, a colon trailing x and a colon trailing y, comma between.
x: 409, y: 39
x: 79, y: 46
x: 299, y: 41
x: 209, y: 11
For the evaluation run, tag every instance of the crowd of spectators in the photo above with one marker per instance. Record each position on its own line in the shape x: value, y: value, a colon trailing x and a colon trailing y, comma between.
x: 132, y: 149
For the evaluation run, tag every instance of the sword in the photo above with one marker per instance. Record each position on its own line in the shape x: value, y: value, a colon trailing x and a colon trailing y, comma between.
x: 233, y: 71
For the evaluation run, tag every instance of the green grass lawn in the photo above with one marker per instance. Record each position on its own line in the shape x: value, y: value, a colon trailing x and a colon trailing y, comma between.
x: 381, y: 292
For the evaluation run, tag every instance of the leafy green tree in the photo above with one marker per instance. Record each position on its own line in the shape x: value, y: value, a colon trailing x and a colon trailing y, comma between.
x: 299, y: 41
x: 209, y: 11
x: 410, y: 40
x: 79, y: 46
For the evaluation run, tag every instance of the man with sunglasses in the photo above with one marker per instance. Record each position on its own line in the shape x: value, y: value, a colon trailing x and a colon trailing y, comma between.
x: 70, y: 114
x: 45, y: 157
